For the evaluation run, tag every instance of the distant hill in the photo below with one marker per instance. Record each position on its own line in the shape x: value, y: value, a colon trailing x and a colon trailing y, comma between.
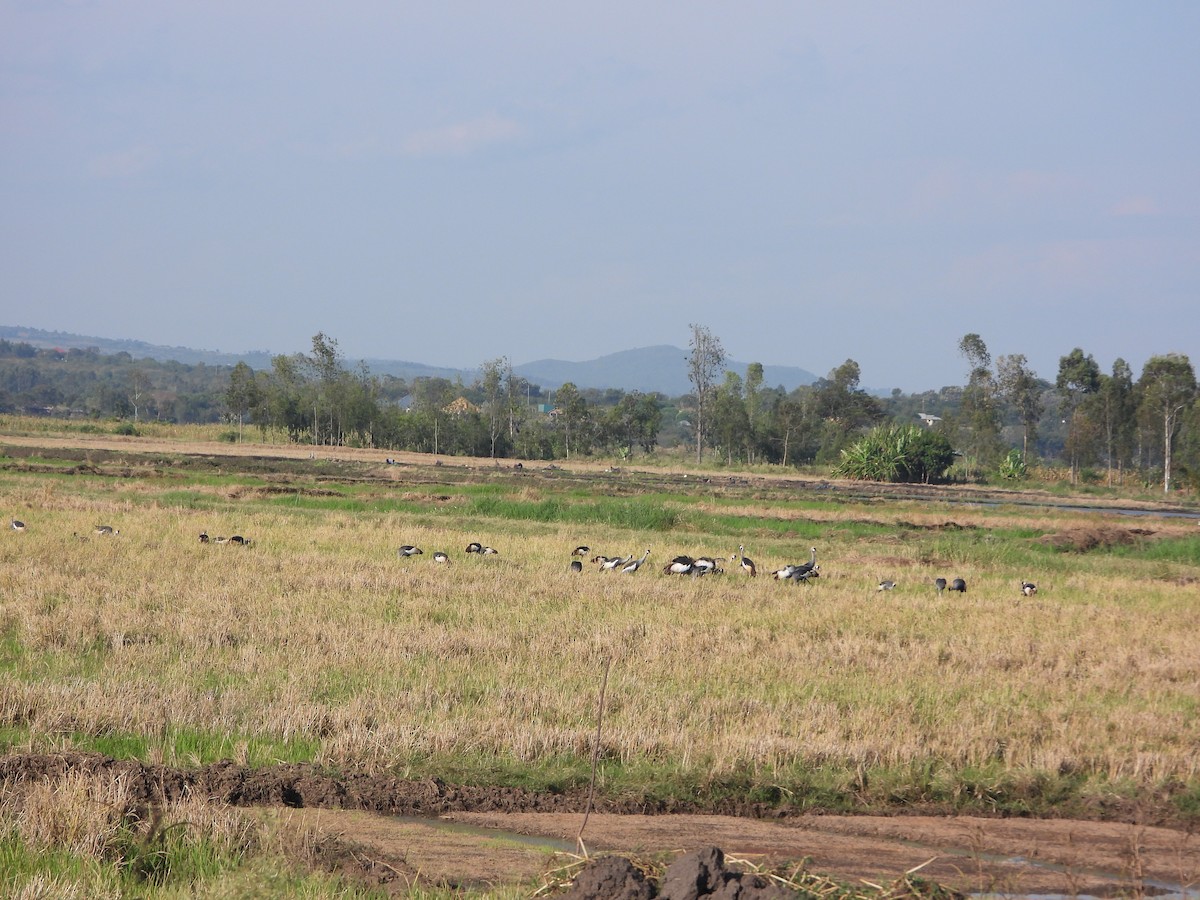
x: 662, y: 368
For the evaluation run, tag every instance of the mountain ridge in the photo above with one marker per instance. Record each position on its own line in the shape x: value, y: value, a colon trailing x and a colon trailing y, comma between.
x: 661, y: 368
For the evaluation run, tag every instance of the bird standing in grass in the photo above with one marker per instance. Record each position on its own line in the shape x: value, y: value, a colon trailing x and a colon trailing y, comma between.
x: 576, y: 566
x: 474, y: 547
x: 106, y: 529
x: 409, y: 550
x: 581, y: 550
x: 940, y: 584
x: 441, y: 557
x: 636, y: 564
x: 958, y: 585
x: 1028, y: 588
x: 18, y: 525
x: 887, y: 585
x: 744, y: 561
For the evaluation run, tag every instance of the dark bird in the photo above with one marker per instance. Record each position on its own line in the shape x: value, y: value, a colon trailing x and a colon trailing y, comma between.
x: 1028, y: 588
x: 803, y: 573
x: 746, y: 562
x: 238, y: 539
x: 706, y: 565
x: 576, y: 566
x: 204, y: 537
x: 940, y: 584
x: 474, y: 547
x: 106, y: 529
x: 18, y: 525
x: 409, y: 550
x: 803, y: 569
x: 958, y: 585
x: 680, y: 565
x: 581, y: 550
x: 489, y: 551
x: 887, y: 585
x: 440, y: 557
x: 636, y: 564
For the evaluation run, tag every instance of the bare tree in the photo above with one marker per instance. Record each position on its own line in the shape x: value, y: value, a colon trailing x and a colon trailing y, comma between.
x: 704, y: 363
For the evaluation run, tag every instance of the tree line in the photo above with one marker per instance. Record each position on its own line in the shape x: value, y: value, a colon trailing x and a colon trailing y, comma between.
x: 1002, y: 420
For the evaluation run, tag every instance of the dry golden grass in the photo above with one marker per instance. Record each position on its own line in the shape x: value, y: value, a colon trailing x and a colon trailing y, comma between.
x: 319, y: 633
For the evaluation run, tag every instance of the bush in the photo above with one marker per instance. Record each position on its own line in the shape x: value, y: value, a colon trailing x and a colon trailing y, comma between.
x: 127, y: 429
x: 897, y: 453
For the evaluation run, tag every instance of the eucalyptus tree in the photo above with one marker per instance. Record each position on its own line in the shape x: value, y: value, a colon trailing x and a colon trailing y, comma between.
x: 1078, y: 377
x: 1020, y: 386
x: 242, y: 395
x: 979, y: 398
x: 730, y: 419
x: 491, y: 384
x: 753, y: 393
x: 705, y: 360
x: 1115, y: 409
x: 571, y: 413
x: 1168, y: 389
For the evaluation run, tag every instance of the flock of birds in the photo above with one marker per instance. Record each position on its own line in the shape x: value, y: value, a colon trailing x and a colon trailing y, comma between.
x: 103, y: 530
x: 695, y: 566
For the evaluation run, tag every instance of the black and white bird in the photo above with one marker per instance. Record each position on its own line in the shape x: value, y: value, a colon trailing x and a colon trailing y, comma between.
x: 409, y: 550
x: 680, y: 565
x: 940, y: 584
x: 474, y: 547
x: 1028, y: 588
x: 204, y: 537
x: 887, y: 585
x: 440, y: 556
x: 106, y: 529
x: 576, y: 566
x: 706, y: 565
x: 488, y: 551
x: 744, y: 561
x: 18, y: 525
x: 238, y: 539
x: 581, y: 550
x: 958, y: 585
x: 802, y: 573
x: 636, y: 564
x: 609, y: 563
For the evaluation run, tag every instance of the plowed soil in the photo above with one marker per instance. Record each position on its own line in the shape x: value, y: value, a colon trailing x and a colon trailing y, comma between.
x: 395, y: 833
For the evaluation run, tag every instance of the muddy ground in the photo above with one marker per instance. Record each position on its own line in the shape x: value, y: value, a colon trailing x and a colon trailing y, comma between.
x: 394, y: 832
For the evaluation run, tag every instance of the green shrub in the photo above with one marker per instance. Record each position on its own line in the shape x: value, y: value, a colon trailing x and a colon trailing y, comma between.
x: 897, y: 453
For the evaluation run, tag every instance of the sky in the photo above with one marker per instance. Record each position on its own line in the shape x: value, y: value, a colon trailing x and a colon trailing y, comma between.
x: 449, y: 182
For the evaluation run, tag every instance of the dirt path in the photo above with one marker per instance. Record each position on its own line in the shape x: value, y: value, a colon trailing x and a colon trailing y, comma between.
x: 1013, y: 857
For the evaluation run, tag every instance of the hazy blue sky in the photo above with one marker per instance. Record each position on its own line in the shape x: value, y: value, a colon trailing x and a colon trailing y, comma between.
x: 450, y: 182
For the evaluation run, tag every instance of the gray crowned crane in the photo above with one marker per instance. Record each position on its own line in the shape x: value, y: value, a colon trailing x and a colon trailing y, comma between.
x: 706, y: 565
x: 409, y: 550
x: 940, y: 584
x: 488, y: 551
x: 609, y: 563
x: 18, y: 525
x: 581, y: 550
x: 576, y: 566
x: 636, y: 564
x: 1028, y: 588
x: 474, y: 547
x: 440, y: 556
x: 744, y: 561
x: 106, y: 529
x: 887, y: 585
x: 958, y: 585
x: 680, y: 565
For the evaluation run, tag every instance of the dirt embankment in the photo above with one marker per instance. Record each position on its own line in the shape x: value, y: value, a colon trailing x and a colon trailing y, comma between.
x: 396, y: 832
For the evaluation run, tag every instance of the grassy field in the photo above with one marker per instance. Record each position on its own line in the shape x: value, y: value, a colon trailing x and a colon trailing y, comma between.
x: 318, y: 643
